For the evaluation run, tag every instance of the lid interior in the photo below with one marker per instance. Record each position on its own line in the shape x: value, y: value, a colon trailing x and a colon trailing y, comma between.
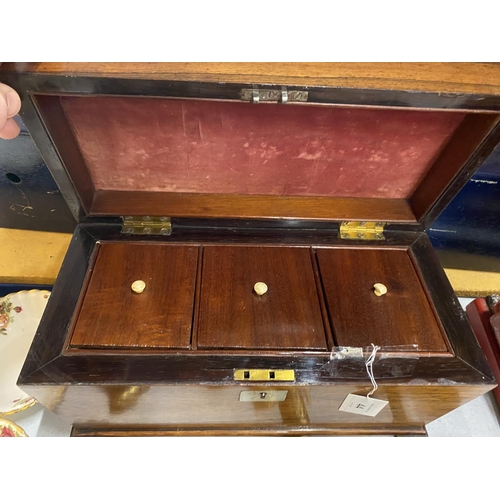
x: 197, y: 158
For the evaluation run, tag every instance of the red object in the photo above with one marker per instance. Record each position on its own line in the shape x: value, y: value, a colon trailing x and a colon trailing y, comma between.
x: 196, y: 146
x: 495, y: 325
x: 6, y: 433
x: 479, y: 316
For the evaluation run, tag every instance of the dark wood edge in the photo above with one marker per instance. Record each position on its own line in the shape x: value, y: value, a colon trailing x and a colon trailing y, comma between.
x: 327, y: 324
x: 77, y: 350
x: 449, y: 310
x: 112, y: 203
x: 317, y: 430
x: 52, y: 331
x: 50, y: 156
x: 470, y: 145
x: 289, y: 224
x: 197, y: 296
x: 144, y: 85
x: 317, y: 236
x: 218, y: 370
x: 60, y: 134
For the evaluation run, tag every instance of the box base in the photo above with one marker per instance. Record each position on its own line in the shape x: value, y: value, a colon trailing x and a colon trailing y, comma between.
x: 249, y: 431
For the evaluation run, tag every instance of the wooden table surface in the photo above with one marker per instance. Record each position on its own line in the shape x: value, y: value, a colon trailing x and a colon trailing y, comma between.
x: 31, y: 257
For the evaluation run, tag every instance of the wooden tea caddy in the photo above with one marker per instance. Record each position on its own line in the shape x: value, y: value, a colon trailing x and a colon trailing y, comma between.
x: 202, y: 181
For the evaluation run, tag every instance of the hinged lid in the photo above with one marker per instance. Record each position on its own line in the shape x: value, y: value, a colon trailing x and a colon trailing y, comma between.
x: 203, y: 150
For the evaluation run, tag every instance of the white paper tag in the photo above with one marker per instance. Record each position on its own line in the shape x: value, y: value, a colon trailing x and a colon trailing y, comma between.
x: 362, y: 405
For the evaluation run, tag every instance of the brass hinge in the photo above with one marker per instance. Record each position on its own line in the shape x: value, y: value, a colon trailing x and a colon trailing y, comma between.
x: 146, y: 225
x: 282, y: 96
x: 354, y: 230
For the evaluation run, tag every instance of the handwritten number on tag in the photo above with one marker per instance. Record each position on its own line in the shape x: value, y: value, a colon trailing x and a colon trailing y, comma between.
x: 362, y: 405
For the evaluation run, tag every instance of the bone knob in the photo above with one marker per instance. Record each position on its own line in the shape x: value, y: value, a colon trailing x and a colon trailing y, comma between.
x: 260, y: 288
x: 138, y: 286
x: 379, y: 289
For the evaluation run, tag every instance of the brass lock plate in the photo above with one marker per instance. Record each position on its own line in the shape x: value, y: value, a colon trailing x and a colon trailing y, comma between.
x: 263, y: 396
x: 258, y: 375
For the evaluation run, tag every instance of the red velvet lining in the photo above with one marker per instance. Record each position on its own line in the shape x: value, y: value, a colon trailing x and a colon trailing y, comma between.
x: 181, y: 145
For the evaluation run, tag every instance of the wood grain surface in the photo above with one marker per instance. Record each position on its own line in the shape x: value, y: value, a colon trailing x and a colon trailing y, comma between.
x: 256, y: 206
x: 401, y: 317
x: 429, y: 77
x: 210, y: 406
x: 232, y: 315
x: 112, y: 315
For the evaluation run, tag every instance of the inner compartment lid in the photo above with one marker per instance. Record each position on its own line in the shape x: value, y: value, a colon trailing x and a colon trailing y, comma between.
x: 207, y: 158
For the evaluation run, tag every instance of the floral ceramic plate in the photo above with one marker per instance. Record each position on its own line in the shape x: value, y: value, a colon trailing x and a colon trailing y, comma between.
x: 20, y: 314
x: 10, y: 429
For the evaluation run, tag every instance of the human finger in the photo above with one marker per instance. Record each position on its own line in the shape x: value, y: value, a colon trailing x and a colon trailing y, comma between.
x: 12, y: 100
x: 10, y: 104
x: 10, y: 130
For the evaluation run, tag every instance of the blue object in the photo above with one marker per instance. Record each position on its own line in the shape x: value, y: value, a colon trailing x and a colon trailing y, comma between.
x: 467, y: 234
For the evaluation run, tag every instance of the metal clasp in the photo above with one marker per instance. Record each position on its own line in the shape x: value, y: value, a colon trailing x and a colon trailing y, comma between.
x: 282, y: 96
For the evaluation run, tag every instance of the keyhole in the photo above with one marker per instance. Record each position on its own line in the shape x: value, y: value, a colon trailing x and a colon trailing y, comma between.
x: 263, y: 395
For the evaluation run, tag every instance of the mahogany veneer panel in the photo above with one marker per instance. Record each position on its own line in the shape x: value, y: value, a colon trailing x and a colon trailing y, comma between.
x: 401, y: 317
x: 239, y: 206
x: 288, y: 316
x: 310, y: 408
x: 114, y: 316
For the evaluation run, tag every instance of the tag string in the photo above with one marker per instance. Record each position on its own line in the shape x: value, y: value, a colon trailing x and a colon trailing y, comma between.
x: 369, y: 369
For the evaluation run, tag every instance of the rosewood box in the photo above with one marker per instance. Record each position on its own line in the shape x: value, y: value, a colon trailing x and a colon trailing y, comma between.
x: 270, y: 226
